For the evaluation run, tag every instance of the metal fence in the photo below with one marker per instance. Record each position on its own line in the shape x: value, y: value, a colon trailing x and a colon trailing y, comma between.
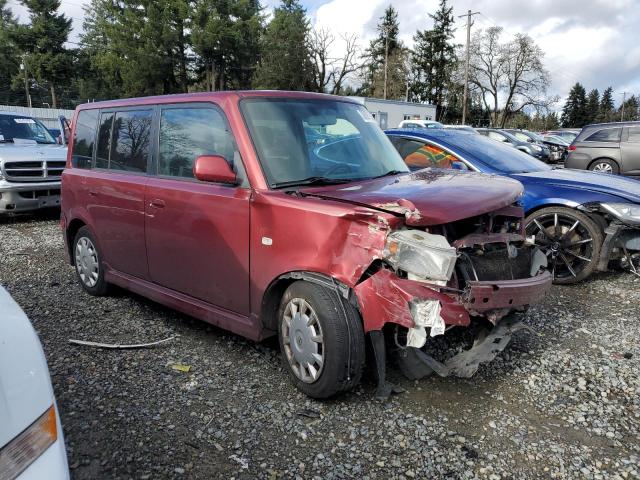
x: 48, y: 116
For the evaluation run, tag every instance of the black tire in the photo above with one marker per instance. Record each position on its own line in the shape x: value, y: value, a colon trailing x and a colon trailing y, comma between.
x: 599, y: 164
x: 343, y: 345
x: 567, y: 249
x: 100, y: 287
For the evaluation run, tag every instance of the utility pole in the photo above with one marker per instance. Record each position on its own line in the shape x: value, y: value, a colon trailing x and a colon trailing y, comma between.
x: 386, y: 59
x: 26, y: 80
x: 624, y: 99
x: 466, y: 70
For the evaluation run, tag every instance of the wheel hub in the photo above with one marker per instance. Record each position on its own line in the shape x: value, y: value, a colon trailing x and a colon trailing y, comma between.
x: 303, y: 340
x: 87, y: 265
x: 300, y: 336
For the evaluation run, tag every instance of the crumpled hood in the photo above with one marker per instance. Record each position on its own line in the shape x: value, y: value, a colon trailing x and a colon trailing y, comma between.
x: 622, y: 187
x: 430, y: 196
x: 25, y: 386
x: 29, y: 152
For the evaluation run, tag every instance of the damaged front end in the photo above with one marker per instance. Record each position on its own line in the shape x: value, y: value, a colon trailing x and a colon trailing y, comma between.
x: 621, y: 235
x: 439, y: 277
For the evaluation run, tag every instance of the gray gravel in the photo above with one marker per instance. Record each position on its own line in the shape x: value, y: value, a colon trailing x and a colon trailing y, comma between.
x: 560, y: 404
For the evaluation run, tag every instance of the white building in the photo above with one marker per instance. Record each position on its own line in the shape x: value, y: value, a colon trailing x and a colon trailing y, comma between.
x: 389, y: 113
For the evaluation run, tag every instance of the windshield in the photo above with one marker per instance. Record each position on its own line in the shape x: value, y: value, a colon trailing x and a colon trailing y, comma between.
x: 14, y: 128
x: 300, y: 140
x: 498, y: 156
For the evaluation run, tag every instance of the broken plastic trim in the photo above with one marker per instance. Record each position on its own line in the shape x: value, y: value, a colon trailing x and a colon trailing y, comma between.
x: 484, y: 349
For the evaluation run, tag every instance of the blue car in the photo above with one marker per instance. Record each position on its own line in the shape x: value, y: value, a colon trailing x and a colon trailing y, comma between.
x: 581, y: 220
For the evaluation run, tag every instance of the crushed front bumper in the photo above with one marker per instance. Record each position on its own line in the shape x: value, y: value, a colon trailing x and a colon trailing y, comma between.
x: 385, y: 298
x: 485, y: 348
x: 620, y: 240
x: 23, y: 197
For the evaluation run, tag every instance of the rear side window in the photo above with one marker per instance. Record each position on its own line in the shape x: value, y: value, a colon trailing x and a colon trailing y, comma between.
x: 497, y: 136
x: 634, y: 134
x: 187, y: 133
x: 131, y: 140
x: 104, y: 140
x: 605, y: 135
x: 84, y: 139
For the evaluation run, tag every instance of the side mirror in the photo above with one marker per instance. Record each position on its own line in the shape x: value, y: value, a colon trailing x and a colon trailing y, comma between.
x: 213, y: 168
x: 458, y: 165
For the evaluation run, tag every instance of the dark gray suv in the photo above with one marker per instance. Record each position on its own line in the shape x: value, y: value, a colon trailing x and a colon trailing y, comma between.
x: 607, y: 148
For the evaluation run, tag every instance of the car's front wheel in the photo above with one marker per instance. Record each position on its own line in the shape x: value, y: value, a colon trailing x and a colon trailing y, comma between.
x: 88, y: 262
x: 570, y: 239
x: 321, y: 339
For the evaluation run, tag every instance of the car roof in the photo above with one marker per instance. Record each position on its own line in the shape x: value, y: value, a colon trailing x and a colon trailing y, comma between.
x: 217, y: 96
x: 7, y: 112
x: 430, y: 134
x: 612, y: 124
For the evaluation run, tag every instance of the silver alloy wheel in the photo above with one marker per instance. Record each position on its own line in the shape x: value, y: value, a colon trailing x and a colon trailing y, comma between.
x: 303, y: 340
x: 86, y: 259
x: 603, y: 167
x: 565, y: 241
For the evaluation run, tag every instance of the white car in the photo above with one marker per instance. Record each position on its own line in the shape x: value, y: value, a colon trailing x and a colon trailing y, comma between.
x: 420, y: 124
x: 31, y: 441
x: 31, y: 163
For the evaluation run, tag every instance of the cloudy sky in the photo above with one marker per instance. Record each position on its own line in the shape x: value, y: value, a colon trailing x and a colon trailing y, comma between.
x: 595, y: 42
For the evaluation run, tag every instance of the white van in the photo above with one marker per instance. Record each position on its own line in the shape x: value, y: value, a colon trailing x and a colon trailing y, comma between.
x: 31, y: 162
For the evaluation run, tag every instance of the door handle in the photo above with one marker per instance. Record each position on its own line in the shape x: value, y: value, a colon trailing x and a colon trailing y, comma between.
x: 93, y: 193
x: 157, y: 203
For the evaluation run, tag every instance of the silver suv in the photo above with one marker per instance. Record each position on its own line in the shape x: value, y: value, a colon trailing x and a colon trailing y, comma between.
x: 607, y: 148
x: 31, y: 162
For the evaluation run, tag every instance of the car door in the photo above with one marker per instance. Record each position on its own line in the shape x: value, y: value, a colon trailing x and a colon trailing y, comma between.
x: 630, y: 150
x: 115, y: 187
x: 197, y: 233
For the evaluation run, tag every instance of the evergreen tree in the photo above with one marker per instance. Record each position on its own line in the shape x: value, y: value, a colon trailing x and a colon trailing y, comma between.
x: 226, y: 36
x: 605, y: 111
x: 574, y: 113
x: 630, y: 110
x: 138, y: 47
x: 385, y: 71
x: 593, y: 105
x: 434, y: 59
x: 42, y: 42
x: 285, y: 62
x: 9, y: 59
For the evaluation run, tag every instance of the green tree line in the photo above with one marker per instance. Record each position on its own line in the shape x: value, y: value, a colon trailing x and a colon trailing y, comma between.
x: 134, y: 48
x: 582, y: 108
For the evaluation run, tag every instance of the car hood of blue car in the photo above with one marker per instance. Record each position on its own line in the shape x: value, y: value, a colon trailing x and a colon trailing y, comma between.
x: 624, y: 188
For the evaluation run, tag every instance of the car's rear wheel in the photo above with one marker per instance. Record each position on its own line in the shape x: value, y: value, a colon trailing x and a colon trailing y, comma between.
x: 321, y: 340
x: 570, y: 239
x: 88, y: 262
x: 604, y: 166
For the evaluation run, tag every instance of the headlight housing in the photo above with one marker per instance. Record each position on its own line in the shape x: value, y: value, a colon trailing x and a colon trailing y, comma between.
x: 625, y: 212
x: 24, y: 449
x: 422, y: 254
x: 536, y: 148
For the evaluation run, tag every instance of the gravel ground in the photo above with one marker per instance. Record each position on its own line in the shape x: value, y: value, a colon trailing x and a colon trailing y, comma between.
x: 560, y: 404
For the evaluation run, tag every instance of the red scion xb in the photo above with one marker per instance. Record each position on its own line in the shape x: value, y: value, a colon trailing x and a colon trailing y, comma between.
x: 291, y: 214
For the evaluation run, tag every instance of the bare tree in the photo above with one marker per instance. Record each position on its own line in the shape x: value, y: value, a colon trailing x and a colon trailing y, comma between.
x: 329, y: 72
x: 508, y: 76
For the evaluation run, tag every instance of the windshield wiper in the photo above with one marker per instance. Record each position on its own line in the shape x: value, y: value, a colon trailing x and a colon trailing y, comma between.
x: 311, y: 181
x: 390, y: 173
